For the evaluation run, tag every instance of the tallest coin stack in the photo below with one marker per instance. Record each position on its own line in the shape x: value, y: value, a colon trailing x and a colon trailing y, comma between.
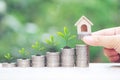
x: 82, y: 55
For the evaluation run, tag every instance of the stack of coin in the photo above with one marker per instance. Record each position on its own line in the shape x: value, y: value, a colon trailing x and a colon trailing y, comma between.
x: 81, y: 35
x: 82, y: 59
x: 38, y: 61
x: 52, y: 59
x: 8, y: 65
x: 23, y: 62
x: 67, y: 57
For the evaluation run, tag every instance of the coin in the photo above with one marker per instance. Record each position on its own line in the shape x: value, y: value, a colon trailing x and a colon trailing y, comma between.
x: 82, y: 55
x: 67, y: 57
x: 38, y: 61
x: 53, y: 59
x: 23, y: 62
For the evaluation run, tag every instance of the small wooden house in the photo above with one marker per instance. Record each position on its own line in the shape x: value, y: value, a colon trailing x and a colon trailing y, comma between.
x: 83, y: 25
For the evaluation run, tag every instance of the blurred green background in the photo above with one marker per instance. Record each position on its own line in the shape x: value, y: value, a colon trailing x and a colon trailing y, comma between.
x: 22, y: 22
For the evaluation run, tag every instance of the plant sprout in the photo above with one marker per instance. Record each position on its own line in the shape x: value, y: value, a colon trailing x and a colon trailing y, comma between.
x: 38, y: 47
x: 8, y: 57
x: 23, y: 53
x: 51, y: 44
x: 66, y: 35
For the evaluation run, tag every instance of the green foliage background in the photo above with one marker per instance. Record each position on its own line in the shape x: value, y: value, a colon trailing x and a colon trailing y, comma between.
x: 27, y: 21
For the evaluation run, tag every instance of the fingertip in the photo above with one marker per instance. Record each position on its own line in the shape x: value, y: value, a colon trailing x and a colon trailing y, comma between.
x: 89, y: 40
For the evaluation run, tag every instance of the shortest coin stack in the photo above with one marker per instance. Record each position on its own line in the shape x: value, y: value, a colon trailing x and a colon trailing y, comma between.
x: 82, y: 59
x: 67, y: 57
x: 38, y: 61
x: 53, y: 59
x: 8, y: 65
x: 23, y: 62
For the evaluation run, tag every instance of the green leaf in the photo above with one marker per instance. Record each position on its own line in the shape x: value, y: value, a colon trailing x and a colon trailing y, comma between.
x: 72, y: 37
x: 65, y: 30
x: 22, y: 51
x: 51, y: 43
x: 51, y: 38
x: 8, y: 56
x: 61, y: 34
x: 48, y: 41
x: 33, y: 46
x: 36, y: 43
x: 42, y: 48
x: 38, y: 46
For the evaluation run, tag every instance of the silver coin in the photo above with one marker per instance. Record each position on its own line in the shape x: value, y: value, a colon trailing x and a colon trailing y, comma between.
x: 53, y: 59
x: 8, y: 64
x: 82, y: 55
x: 23, y: 62
x: 67, y: 57
x: 38, y: 61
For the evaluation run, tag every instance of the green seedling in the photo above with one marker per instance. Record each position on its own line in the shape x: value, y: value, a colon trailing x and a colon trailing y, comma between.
x: 51, y: 44
x: 8, y: 57
x: 23, y: 53
x: 67, y: 36
x: 38, y: 47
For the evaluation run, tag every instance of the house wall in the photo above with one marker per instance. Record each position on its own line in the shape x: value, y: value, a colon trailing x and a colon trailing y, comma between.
x: 82, y: 23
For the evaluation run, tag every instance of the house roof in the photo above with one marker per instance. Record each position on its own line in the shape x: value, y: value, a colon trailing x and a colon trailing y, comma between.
x: 83, y: 18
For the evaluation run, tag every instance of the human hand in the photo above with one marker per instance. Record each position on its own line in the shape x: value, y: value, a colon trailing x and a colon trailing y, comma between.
x: 109, y: 39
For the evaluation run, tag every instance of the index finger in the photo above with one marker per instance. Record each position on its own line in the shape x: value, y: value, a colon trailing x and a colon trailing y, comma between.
x: 108, y: 32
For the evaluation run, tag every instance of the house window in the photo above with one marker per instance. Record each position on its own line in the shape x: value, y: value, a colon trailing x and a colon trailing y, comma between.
x: 84, y: 28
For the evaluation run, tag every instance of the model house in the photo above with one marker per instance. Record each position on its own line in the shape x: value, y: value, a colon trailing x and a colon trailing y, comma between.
x: 83, y: 25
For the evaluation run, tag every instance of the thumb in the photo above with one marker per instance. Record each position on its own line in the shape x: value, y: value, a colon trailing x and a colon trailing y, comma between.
x: 111, y: 42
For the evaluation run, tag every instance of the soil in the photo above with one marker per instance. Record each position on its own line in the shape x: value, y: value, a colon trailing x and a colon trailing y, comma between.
x: 24, y: 58
x: 66, y: 47
x: 52, y: 50
x: 38, y: 55
x: 9, y: 62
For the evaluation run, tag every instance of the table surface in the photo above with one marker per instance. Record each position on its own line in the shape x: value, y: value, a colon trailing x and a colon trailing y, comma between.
x: 96, y: 71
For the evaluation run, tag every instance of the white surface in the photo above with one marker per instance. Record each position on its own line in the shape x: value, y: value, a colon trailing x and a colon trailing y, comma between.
x: 0, y: 65
x: 96, y: 71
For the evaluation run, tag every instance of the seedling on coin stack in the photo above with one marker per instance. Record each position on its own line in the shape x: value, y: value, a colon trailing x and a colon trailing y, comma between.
x: 24, y: 53
x: 38, y: 48
x: 24, y: 62
x: 51, y: 44
x: 67, y: 57
x: 9, y: 59
x: 53, y: 56
x: 38, y: 60
x: 66, y: 36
